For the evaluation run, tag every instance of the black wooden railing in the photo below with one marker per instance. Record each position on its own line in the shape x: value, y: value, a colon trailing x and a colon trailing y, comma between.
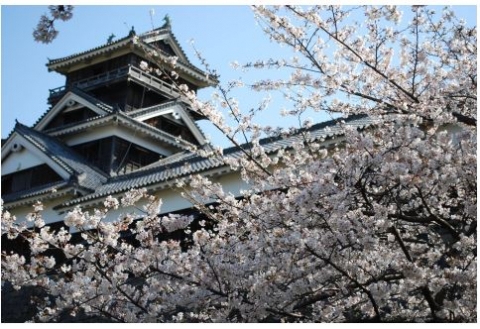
x: 131, y: 72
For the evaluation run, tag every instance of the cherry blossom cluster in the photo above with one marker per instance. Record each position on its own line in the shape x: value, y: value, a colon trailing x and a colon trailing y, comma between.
x: 379, y: 224
x: 45, y: 31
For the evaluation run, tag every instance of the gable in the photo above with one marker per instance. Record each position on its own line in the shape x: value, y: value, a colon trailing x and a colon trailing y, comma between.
x: 172, y: 119
x: 18, y: 160
x: 25, y: 167
x: 166, y: 42
x: 70, y: 115
x: 19, y: 154
x: 71, y: 108
x: 162, y: 45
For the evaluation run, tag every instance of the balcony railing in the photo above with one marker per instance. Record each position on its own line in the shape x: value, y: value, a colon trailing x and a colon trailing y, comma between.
x: 131, y: 72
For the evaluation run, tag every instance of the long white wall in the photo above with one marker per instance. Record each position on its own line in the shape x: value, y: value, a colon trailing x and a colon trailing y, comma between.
x: 171, y: 201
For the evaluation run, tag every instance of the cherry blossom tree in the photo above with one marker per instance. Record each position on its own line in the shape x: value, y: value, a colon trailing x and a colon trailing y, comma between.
x: 378, y: 227
x: 45, y: 32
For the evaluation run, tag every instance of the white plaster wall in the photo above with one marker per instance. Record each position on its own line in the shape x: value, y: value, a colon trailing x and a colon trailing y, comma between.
x: 49, y: 215
x: 171, y: 201
x: 19, y: 161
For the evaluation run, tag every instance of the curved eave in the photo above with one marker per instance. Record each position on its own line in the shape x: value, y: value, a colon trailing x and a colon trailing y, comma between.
x: 74, y: 62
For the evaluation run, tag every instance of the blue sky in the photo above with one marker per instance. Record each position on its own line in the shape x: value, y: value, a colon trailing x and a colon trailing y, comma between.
x: 222, y: 33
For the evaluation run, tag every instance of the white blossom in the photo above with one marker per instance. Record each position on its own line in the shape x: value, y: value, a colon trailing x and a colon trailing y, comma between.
x: 370, y: 223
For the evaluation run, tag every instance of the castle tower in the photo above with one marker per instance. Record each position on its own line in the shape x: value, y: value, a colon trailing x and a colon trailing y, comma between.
x: 119, y: 112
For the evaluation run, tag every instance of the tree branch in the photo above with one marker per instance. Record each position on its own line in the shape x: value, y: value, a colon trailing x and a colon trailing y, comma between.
x: 344, y: 273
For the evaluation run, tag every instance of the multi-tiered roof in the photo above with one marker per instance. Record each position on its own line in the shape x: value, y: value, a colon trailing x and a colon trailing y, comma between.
x: 119, y: 111
x: 115, y: 126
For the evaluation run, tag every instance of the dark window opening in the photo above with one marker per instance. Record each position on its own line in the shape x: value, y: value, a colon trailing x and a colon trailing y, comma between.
x: 165, y: 47
x: 172, y: 128
x: 29, y: 178
x: 110, y: 65
x: 140, y: 97
x: 114, y: 154
x: 129, y: 157
x: 68, y: 117
x: 97, y: 153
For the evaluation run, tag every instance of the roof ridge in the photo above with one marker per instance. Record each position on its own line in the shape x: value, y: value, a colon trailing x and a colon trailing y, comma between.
x: 60, y: 59
x: 23, y: 130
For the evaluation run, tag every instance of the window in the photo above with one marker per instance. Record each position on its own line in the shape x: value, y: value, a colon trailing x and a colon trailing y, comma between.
x: 29, y: 178
x: 72, y: 116
x: 98, y: 153
x: 114, y: 154
x: 129, y: 157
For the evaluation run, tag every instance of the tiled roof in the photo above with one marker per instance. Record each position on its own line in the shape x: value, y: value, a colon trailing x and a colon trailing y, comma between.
x: 180, y: 156
x: 130, y: 39
x: 62, y: 155
x: 317, y: 132
x: 186, y: 164
x: 76, y: 126
x: 112, y: 45
x: 154, y: 132
x: 123, y: 119
x: 95, y: 101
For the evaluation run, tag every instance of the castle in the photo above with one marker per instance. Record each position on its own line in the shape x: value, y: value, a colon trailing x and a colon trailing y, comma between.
x: 116, y: 126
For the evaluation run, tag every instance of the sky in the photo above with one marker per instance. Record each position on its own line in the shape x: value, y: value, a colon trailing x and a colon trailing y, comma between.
x: 222, y: 33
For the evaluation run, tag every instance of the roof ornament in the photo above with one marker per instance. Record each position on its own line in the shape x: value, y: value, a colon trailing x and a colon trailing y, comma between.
x: 167, y: 23
x: 110, y: 38
x: 132, y: 32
